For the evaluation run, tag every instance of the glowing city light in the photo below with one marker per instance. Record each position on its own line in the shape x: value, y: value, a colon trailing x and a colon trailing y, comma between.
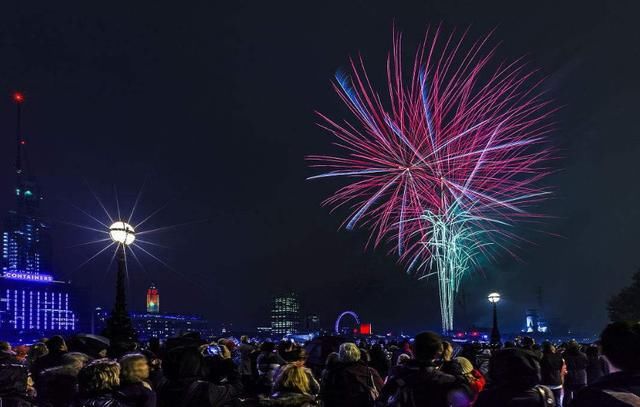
x: 122, y: 233
x: 18, y: 97
x: 494, y: 298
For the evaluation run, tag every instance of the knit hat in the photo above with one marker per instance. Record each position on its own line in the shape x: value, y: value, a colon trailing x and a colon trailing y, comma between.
x: 465, y: 364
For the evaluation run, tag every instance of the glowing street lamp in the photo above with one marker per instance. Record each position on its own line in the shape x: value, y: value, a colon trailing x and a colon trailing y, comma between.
x: 119, y: 327
x: 122, y: 233
x: 494, y: 298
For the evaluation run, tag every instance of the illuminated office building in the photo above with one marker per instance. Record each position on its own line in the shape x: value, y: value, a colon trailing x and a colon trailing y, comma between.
x: 32, y: 303
x: 285, y: 315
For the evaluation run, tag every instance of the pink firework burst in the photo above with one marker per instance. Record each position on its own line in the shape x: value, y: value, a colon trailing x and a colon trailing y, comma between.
x: 454, y: 132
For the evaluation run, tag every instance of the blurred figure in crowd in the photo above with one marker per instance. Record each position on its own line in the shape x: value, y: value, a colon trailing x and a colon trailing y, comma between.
x: 134, y: 386
x: 620, y: 343
x: 58, y: 386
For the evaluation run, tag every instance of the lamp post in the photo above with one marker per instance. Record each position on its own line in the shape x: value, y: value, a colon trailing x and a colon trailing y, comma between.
x: 119, y: 327
x: 495, y: 333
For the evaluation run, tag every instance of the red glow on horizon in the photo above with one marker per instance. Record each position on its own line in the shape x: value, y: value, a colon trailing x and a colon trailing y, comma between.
x: 18, y: 97
x: 365, y: 329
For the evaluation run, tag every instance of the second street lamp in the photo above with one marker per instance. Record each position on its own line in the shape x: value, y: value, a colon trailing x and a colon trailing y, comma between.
x: 494, y: 298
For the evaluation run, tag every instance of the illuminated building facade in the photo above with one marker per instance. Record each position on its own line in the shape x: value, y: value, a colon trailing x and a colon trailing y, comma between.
x: 153, y: 300
x: 32, y: 303
x: 153, y: 324
x: 285, y: 315
x: 534, y: 323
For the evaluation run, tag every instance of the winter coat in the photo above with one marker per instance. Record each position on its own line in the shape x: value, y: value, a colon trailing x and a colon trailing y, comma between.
x: 197, y: 393
x: 595, y: 369
x: 268, y: 364
x: 621, y: 389
x: 101, y: 400
x: 8, y: 358
x: 289, y: 399
x: 551, y: 369
x: 52, y: 359
x: 577, y: 363
x: 380, y: 362
x: 509, y: 396
x: 350, y: 385
x: 422, y: 382
x: 314, y: 386
x: 13, y: 386
x: 245, y: 350
x: 137, y: 395
x: 57, y: 386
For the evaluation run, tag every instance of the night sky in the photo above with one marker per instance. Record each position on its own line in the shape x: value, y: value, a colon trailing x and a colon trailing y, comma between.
x: 211, y: 106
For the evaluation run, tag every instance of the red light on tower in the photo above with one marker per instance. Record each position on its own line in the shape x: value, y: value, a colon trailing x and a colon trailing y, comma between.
x: 18, y: 97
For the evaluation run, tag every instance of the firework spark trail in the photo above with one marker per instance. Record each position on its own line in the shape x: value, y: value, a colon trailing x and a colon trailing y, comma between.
x: 449, y: 164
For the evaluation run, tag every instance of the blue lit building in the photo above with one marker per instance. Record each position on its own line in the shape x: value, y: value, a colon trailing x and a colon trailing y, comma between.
x: 32, y: 303
x: 154, y: 324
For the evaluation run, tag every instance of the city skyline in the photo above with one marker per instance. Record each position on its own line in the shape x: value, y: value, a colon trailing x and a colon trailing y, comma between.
x: 212, y: 109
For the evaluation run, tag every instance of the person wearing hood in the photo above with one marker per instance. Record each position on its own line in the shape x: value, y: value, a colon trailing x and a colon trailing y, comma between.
x: 58, y: 386
x: 515, y: 381
x: 419, y: 381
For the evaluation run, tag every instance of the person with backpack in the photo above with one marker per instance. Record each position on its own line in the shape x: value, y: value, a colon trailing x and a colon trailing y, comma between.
x: 350, y: 382
x: 515, y: 381
x: 620, y: 343
x: 419, y: 382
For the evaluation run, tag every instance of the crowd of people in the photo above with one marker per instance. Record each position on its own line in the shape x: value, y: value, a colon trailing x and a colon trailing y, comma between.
x: 425, y: 371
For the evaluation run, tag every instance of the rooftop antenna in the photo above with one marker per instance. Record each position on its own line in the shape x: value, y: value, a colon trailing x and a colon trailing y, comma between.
x: 18, y: 99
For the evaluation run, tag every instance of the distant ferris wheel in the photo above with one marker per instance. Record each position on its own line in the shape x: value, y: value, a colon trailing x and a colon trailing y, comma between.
x: 351, y: 314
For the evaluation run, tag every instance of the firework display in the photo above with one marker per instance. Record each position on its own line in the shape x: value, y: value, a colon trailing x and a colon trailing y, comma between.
x: 445, y: 161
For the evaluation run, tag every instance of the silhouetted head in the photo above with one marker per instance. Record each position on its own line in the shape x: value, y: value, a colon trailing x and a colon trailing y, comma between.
x: 427, y: 346
x: 620, y: 343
